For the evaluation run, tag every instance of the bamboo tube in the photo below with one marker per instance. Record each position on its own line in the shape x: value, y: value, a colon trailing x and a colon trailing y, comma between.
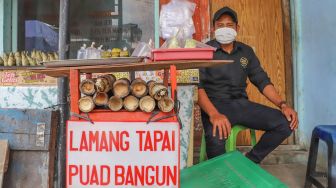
x: 102, y: 84
x: 86, y: 104
x: 100, y: 99
x: 115, y: 103
x: 166, y: 104
x: 139, y: 88
x: 147, y: 104
x: 156, y: 90
x: 87, y: 87
x: 112, y: 78
x: 150, y: 84
x: 108, y: 81
x: 121, y: 88
x: 131, y: 103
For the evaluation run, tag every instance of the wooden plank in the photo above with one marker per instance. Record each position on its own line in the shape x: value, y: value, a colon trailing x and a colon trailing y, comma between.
x: 4, y: 158
x: 159, y: 65
x: 93, y: 62
x: 52, y: 149
x: 54, y: 72
x: 21, y: 68
x: 28, y: 129
x: 198, y: 132
x: 288, y: 51
x: 287, y: 40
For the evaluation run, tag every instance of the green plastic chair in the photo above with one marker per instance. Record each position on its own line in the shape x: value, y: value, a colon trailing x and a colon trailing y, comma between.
x: 230, y: 142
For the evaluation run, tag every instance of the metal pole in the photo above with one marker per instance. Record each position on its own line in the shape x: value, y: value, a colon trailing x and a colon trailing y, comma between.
x: 63, y: 90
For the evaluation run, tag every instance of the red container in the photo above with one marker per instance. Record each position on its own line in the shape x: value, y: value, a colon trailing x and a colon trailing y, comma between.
x: 182, y: 53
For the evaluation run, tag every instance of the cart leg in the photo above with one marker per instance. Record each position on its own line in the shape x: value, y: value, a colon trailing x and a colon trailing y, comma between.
x: 173, y: 81
x: 74, y: 92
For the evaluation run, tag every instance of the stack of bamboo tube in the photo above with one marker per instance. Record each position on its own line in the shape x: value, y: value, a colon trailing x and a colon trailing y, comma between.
x: 107, y: 92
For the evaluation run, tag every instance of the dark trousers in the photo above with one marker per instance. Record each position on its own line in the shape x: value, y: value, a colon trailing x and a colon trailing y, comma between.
x: 251, y: 115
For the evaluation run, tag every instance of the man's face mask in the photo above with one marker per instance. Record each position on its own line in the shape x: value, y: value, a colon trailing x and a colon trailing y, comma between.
x: 225, y: 35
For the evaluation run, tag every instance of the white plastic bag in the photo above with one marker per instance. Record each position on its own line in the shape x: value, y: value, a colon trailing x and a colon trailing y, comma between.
x: 90, y: 52
x: 175, y: 16
x: 183, y: 43
x: 143, y: 49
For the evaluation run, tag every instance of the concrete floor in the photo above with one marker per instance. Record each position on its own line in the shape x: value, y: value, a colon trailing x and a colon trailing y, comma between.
x: 292, y: 175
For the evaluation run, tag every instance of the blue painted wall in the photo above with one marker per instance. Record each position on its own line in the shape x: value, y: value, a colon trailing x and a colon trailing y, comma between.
x: 28, y: 97
x: 314, y: 44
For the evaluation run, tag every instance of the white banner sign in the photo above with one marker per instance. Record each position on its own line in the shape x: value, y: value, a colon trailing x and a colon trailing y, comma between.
x: 122, y: 154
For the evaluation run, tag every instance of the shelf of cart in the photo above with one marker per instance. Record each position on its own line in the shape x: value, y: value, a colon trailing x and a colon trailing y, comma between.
x: 125, y: 116
x: 142, y: 66
x: 22, y: 68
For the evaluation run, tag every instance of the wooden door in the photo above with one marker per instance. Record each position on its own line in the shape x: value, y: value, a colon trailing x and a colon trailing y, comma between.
x: 261, y: 27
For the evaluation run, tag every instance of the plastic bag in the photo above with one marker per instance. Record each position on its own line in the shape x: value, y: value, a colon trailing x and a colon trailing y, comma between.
x: 91, y: 52
x: 143, y: 49
x: 184, y: 43
x: 175, y: 16
x: 81, y: 52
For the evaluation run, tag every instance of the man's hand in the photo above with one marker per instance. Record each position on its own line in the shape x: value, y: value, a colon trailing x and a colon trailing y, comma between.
x: 218, y: 120
x: 222, y: 123
x: 271, y: 94
x: 291, y: 116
